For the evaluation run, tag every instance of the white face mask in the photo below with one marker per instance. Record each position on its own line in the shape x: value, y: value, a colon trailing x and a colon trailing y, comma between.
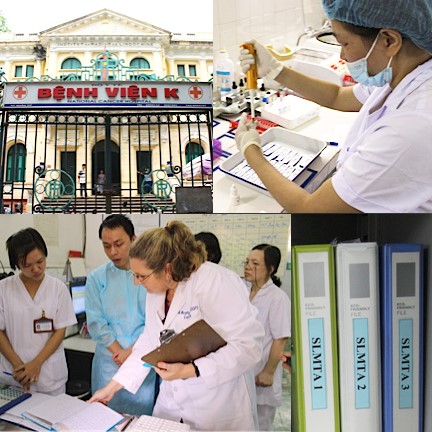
x: 359, y: 71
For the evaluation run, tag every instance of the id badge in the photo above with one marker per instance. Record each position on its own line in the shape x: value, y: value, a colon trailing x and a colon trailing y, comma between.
x: 43, y: 324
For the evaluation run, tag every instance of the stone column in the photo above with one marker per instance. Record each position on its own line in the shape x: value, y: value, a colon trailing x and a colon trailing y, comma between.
x: 203, y: 73
x: 171, y: 67
x: 158, y: 64
x: 53, y: 68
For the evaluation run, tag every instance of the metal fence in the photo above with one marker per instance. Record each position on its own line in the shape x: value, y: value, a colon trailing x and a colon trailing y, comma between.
x: 108, y: 160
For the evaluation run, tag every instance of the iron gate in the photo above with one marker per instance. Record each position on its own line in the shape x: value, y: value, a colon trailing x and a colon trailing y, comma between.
x: 144, y: 157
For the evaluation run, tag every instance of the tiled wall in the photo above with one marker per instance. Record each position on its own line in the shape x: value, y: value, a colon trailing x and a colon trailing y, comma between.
x: 279, y: 22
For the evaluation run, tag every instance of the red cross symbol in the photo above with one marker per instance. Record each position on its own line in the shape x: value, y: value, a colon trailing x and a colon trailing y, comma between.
x: 195, y: 92
x: 20, y: 92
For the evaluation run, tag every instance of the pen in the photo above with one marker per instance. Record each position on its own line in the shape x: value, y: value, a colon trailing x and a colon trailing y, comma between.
x: 127, y: 424
x: 7, y: 373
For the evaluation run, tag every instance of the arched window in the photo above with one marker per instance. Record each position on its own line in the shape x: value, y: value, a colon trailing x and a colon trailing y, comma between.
x: 140, y: 63
x: 71, y: 63
x: 16, y: 161
x: 192, y: 151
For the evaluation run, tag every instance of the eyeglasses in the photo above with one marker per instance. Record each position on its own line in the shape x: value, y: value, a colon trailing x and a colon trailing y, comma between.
x: 141, y: 278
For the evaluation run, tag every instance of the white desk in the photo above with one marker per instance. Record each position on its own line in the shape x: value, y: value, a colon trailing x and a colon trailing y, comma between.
x: 331, y: 126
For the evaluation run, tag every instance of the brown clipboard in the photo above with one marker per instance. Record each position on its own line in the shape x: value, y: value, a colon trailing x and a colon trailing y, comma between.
x: 194, y: 342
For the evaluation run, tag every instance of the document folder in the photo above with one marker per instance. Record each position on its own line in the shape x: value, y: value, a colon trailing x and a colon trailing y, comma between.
x: 315, y: 399
x: 194, y: 342
x: 403, y: 336
x: 359, y: 336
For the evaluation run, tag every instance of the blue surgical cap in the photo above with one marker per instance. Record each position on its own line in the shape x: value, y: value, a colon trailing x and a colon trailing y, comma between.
x: 412, y: 19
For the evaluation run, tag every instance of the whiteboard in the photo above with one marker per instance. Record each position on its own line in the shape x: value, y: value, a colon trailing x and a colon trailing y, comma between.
x: 60, y: 232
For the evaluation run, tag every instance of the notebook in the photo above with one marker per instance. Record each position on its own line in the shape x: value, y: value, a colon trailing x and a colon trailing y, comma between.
x: 66, y: 412
x: 10, y: 397
x: 194, y: 342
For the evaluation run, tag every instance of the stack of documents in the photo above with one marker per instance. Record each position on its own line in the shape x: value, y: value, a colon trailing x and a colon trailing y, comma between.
x: 63, y: 412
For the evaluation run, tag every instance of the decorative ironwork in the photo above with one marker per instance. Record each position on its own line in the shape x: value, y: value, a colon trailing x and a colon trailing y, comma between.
x: 162, y: 188
x: 129, y: 146
x: 50, y: 191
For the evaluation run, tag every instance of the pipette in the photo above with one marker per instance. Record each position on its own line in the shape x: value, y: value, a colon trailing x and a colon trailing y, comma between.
x: 252, y: 78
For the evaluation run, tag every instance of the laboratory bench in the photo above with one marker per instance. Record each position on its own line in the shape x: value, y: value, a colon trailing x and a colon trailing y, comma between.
x: 331, y: 126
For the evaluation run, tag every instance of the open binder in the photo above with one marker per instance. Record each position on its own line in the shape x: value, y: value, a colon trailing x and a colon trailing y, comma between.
x: 194, y: 342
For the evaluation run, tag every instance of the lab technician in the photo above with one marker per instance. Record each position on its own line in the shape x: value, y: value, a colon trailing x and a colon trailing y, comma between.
x: 385, y: 162
x: 274, y: 313
x: 215, y: 392
x: 35, y: 309
x: 115, y: 310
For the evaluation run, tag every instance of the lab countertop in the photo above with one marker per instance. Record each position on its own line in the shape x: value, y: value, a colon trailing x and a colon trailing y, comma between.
x: 331, y: 125
x: 78, y: 343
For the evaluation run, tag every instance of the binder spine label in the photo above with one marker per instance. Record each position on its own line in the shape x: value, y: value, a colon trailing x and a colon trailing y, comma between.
x: 317, y: 363
x: 361, y: 363
x: 406, y: 393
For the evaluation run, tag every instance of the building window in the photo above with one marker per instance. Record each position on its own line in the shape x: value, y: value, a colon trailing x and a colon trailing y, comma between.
x: 16, y: 160
x: 18, y: 71
x: 71, y: 63
x: 140, y: 63
x: 181, y: 70
x: 29, y: 71
x: 192, y: 70
x: 193, y: 150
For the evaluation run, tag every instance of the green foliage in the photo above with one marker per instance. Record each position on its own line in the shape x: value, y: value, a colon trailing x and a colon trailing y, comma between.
x: 3, y: 24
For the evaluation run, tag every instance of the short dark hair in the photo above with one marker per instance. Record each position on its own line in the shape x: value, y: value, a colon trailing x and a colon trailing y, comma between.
x: 20, y: 244
x: 272, y: 259
x: 211, y: 242
x: 118, y: 221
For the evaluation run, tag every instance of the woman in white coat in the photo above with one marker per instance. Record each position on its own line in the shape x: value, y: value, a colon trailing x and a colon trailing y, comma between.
x: 215, y: 392
x: 274, y: 313
x: 35, y: 310
x: 384, y: 164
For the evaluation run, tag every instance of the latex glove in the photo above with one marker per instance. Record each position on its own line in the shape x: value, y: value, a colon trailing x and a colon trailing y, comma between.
x: 267, y: 66
x: 246, y: 134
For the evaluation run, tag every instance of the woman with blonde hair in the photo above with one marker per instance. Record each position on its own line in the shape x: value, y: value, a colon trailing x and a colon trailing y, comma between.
x: 184, y: 288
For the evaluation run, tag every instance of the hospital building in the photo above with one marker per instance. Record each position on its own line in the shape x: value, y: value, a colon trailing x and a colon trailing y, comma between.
x: 123, y: 97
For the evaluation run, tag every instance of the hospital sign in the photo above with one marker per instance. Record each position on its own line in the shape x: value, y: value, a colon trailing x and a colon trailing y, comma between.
x: 152, y: 94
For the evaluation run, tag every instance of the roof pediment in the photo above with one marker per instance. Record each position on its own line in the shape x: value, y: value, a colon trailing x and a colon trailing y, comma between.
x: 105, y: 22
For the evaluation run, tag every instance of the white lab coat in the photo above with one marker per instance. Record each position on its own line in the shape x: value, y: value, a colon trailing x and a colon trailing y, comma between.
x: 274, y: 313
x: 223, y: 397
x: 17, y: 314
x: 385, y: 163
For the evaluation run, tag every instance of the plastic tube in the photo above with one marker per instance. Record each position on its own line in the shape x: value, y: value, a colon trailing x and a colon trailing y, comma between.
x: 252, y: 78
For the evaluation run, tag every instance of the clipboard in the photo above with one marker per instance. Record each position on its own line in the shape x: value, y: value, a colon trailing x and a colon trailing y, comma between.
x: 194, y: 342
